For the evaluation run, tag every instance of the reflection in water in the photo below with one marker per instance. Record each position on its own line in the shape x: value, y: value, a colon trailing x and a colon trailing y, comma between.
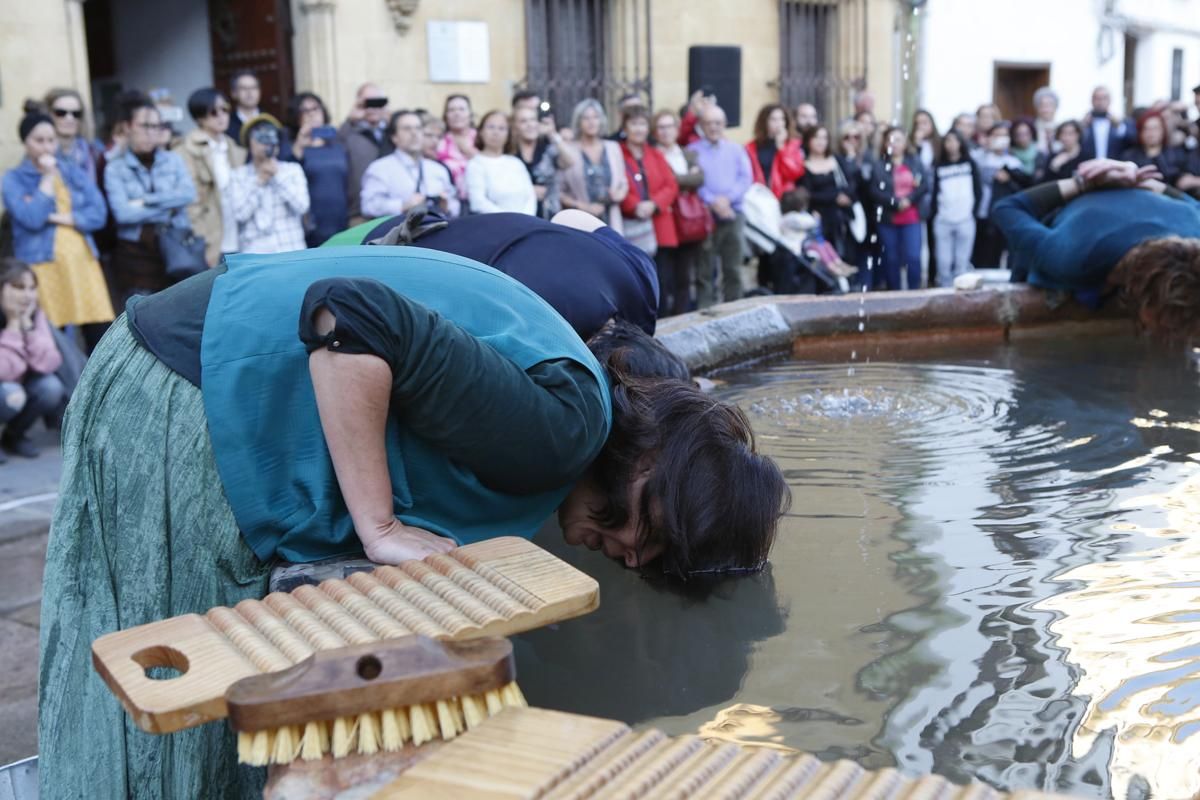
x: 922, y: 605
x: 1132, y: 627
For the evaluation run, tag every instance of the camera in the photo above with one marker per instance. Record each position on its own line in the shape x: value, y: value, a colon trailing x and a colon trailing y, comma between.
x: 268, y: 137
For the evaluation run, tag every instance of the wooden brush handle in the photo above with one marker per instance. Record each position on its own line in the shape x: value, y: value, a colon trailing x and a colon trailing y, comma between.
x: 369, y: 677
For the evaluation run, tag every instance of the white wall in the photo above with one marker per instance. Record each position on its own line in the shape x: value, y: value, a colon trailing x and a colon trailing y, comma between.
x: 964, y: 38
x: 163, y: 43
x: 1152, y: 80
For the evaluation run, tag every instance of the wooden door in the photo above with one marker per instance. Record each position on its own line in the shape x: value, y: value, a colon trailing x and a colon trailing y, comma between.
x: 1014, y: 86
x: 254, y: 35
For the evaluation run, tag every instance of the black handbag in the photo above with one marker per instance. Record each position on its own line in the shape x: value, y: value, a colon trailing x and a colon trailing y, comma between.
x: 182, y: 252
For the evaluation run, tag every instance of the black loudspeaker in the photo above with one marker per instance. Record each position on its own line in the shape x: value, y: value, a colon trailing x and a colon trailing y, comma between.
x: 718, y: 68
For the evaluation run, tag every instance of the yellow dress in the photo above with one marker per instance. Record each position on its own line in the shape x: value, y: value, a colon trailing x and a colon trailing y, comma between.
x: 71, y: 288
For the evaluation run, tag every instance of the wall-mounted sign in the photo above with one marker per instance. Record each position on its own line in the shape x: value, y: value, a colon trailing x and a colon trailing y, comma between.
x: 458, y: 52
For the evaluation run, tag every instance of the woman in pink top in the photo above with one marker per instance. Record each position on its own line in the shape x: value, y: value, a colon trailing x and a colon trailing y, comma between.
x: 458, y: 145
x: 897, y: 185
x: 28, y: 359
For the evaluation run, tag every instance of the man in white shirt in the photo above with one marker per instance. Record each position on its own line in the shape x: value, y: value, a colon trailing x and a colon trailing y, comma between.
x: 405, y: 179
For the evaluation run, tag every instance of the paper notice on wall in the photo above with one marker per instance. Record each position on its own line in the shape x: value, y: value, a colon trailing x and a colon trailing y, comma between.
x: 458, y: 52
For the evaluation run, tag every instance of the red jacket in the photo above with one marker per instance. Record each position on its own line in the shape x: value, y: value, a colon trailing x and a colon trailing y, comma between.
x: 663, y: 189
x: 786, y: 169
x: 687, y: 129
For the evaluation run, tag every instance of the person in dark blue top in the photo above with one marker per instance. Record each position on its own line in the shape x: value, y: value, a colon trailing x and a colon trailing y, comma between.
x: 1114, y: 227
x: 588, y: 272
x: 315, y: 146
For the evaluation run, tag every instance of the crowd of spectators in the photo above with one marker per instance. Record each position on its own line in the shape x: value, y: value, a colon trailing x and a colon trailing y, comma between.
x: 867, y: 204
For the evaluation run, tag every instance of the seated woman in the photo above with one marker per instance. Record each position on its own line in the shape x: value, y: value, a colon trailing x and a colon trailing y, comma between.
x: 1115, y: 228
x: 427, y: 401
x: 28, y: 359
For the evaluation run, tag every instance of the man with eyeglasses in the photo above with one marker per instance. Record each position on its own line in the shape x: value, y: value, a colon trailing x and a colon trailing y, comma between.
x: 246, y: 95
x: 405, y: 179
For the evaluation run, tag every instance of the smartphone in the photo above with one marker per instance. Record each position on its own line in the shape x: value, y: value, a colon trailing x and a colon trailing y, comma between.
x: 375, y: 102
x: 544, y: 111
x: 325, y: 132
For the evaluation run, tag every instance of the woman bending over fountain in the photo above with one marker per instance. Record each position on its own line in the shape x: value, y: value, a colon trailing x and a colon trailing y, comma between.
x: 1112, y: 229
x: 395, y: 401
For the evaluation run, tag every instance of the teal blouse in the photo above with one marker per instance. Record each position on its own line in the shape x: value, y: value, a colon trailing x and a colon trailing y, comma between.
x: 262, y: 414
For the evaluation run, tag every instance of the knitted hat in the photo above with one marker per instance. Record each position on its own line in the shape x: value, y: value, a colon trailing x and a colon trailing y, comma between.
x: 31, y: 121
x: 254, y: 122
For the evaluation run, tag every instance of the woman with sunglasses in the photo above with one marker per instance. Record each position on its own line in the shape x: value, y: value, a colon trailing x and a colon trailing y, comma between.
x: 66, y: 111
x: 55, y: 207
x: 211, y: 157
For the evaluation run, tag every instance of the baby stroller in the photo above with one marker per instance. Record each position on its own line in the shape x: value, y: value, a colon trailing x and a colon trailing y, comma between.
x: 788, y: 247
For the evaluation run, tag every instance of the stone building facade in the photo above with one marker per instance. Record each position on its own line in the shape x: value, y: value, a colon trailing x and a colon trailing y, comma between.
x: 582, y: 47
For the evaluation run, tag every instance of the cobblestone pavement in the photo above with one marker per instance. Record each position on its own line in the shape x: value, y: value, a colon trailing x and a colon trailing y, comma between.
x: 28, y: 489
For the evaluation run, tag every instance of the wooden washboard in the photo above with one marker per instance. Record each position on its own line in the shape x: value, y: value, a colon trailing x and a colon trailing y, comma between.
x: 492, y: 588
x: 534, y: 753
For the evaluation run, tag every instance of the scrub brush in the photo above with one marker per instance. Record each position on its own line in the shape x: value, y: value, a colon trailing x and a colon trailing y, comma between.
x: 371, y: 698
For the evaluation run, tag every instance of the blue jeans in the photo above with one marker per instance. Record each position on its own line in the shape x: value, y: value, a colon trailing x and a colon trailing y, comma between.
x: 22, y: 403
x: 901, y: 250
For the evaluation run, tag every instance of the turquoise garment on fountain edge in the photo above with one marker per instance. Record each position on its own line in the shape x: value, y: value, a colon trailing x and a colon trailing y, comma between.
x: 262, y: 414
x: 1090, y: 234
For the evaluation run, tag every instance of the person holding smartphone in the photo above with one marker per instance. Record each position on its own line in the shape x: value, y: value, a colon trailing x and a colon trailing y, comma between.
x: 364, y: 135
x: 322, y: 156
x: 270, y: 197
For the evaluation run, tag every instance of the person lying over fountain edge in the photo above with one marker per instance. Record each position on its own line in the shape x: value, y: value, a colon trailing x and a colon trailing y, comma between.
x: 1112, y: 229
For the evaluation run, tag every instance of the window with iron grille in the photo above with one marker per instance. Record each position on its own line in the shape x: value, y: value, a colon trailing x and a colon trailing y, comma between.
x: 577, y: 49
x: 822, y: 54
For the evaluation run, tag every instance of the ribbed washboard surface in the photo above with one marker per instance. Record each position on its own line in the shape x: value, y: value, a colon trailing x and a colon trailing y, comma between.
x: 534, y: 753
x: 492, y: 588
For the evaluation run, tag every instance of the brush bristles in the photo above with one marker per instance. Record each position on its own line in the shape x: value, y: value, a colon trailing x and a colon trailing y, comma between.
x: 370, y: 733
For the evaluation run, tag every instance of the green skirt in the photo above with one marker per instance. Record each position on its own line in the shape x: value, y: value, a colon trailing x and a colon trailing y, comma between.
x: 142, y: 531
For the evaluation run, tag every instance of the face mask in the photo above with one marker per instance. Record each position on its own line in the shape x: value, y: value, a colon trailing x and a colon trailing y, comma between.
x: 1000, y: 144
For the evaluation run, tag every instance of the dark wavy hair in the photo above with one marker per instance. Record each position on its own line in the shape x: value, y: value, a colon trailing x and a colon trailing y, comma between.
x: 964, y: 153
x: 1068, y: 124
x: 711, y: 500
x: 292, y: 120
x: 1159, y: 281
x: 760, y: 122
x: 810, y: 134
x: 637, y: 353
x: 935, y: 139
